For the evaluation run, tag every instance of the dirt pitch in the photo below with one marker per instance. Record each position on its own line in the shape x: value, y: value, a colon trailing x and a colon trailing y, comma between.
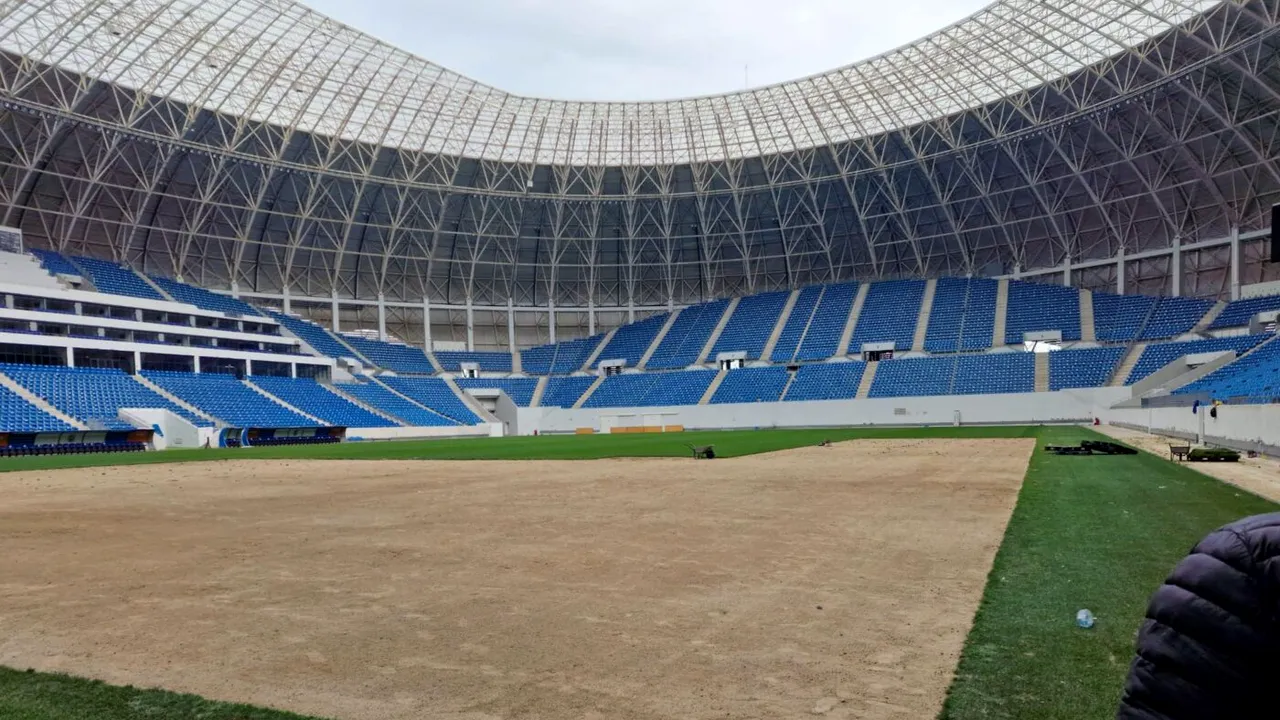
x: 820, y: 581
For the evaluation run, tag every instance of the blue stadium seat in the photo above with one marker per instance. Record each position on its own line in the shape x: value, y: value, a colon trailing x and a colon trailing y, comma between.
x: 995, y: 373
x: 1119, y: 318
x: 914, y: 377
x: 18, y: 415
x: 658, y: 389
x: 488, y: 360
x: 1254, y: 378
x: 1083, y: 368
x: 435, y: 394
x: 963, y: 315
x: 689, y: 333
x: 826, y: 381
x: 228, y: 399
x: 320, y: 339
x: 316, y: 400
x: 56, y: 263
x: 392, y: 356
x: 376, y: 396
x: 751, y: 324
x: 750, y: 385
x: 1240, y: 312
x: 560, y: 358
x: 565, y: 391
x: 1174, y: 316
x: 1157, y: 355
x: 889, y: 314
x: 1035, y: 308
x: 520, y: 390
x: 793, y: 330
x: 631, y: 341
x: 109, y: 277
x: 93, y: 396
x: 201, y: 298
x: 822, y: 339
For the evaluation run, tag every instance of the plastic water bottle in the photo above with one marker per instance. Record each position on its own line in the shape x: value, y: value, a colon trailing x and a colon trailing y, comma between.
x: 1084, y: 619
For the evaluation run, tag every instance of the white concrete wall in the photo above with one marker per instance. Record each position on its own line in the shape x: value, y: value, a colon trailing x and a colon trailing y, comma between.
x: 1243, y: 427
x: 173, y: 430
x: 1021, y: 408
x: 418, y: 433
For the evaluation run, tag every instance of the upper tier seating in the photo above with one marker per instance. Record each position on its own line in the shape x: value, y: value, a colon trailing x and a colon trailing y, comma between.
x: 435, y: 394
x: 565, y: 391
x: 826, y: 381
x: 751, y: 324
x: 822, y: 339
x: 1119, y: 318
x: 315, y: 399
x: 689, y: 333
x: 1157, y: 355
x: 320, y: 339
x: 631, y: 341
x: 793, y: 330
x: 23, y: 269
x: 94, y: 396
x: 1035, y: 308
x: 56, y: 262
x: 18, y: 415
x: 1088, y: 367
x: 963, y: 315
x: 1011, y: 372
x: 228, y: 399
x: 559, y: 358
x: 889, y: 314
x: 749, y: 385
x: 489, y: 361
x: 109, y: 277
x: 392, y: 356
x: 1175, y: 316
x: 376, y: 396
x: 520, y: 390
x: 915, y: 377
x: 652, y: 389
x: 1240, y: 312
x: 1254, y: 378
x: 201, y: 298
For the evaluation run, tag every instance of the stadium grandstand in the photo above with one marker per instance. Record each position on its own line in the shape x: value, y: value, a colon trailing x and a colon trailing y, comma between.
x: 233, y: 220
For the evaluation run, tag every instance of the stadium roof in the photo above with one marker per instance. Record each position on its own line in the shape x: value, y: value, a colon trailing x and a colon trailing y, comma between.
x: 279, y: 62
x: 260, y: 144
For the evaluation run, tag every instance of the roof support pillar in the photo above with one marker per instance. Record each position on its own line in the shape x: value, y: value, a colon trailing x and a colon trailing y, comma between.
x: 333, y: 310
x: 382, y: 317
x: 551, y: 320
x: 1120, y: 271
x: 1235, y: 263
x: 286, y: 303
x: 471, y: 324
x: 591, y: 316
x: 511, y: 325
x: 1175, y: 267
x: 1066, y: 271
x: 426, y: 324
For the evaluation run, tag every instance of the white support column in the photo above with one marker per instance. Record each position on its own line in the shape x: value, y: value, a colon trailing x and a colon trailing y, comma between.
x: 631, y: 310
x: 293, y: 370
x: 511, y: 325
x: 287, y: 304
x: 1175, y: 267
x: 471, y: 325
x: 551, y: 321
x: 1235, y: 263
x: 382, y: 317
x: 1066, y: 272
x: 591, y: 316
x: 137, y: 361
x: 1120, y: 271
x: 71, y: 357
x: 426, y: 324
x: 333, y: 310
x: 235, y: 289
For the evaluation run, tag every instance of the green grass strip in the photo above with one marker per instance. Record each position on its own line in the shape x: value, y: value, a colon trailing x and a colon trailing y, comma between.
x: 1088, y: 532
x: 545, y: 447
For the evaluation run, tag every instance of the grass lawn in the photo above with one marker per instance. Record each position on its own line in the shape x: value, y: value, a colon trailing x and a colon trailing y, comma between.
x: 1095, y: 532
x: 545, y: 447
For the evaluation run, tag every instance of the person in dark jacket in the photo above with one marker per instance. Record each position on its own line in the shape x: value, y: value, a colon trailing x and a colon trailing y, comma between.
x: 1210, y: 646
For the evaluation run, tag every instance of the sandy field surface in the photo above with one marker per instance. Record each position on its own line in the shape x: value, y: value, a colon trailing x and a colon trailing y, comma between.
x: 837, y: 582
x: 1260, y: 475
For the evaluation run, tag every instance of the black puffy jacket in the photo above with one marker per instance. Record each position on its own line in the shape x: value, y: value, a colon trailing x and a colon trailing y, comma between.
x: 1210, y: 647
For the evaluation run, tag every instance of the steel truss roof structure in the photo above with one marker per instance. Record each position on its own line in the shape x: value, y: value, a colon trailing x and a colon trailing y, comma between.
x: 259, y: 145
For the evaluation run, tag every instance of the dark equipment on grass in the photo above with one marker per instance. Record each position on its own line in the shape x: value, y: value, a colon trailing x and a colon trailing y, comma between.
x: 703, y: 452
x: 1213, y: 455
x: 1091, y: 447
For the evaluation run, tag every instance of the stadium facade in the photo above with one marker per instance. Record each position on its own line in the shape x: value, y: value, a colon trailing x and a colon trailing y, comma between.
x: 259, y: 147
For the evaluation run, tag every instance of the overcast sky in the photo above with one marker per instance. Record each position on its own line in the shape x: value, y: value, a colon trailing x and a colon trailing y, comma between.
x: 643, y: 49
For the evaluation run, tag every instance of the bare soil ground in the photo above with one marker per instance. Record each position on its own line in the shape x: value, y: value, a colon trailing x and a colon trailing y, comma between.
x: 1260, y: 475
x: 820, y: 581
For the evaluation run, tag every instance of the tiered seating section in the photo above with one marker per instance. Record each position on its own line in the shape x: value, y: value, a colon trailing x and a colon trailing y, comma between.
x: 1035, y: 308
x: 1090, y: 367
x: 452, y: 360
x: 108, y: 277
x: 1119, y: 318
x: 750, y: 385
x: 652, y: 389
x: 202, y: 298
x: 827, y: 381
x: 797, y: 322
x: 1240, y: 312
x: 963, y: 315
x: 1158, y: 355
x: 752, y: 322
x: 56, y: 263
x: 392, y: 356
x: 689, y: 333
x: 318, y: 401
x: 93, y: 396
x: 386, y: 401
x: 822, y: 340
x: 320, y: 339
x: 435, y: 394
x: 565, y: 391
x: 520, y: 390
x: 18, y: 415
x: 559, y: 358
x: 1254, y: 378
x: 631, y: 341
x: 228, y: 399
x: 889, y: 314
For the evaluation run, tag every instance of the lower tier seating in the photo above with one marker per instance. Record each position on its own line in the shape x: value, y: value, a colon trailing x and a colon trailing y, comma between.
x: 228, y: 399
x: 520, y: 390
x: 93, y: 396
x: 826, y: 381
x: 565, y: 391
x: 435, y: 394
x: 18, y: 415
x: 749, y: 385
x: 315, y: 399
x: 1088, y: 367
x: 1157, y: 355
x: 652, y: 389
x: 377, y: 396
x: 1254, y: 378
x: 488, y: 361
